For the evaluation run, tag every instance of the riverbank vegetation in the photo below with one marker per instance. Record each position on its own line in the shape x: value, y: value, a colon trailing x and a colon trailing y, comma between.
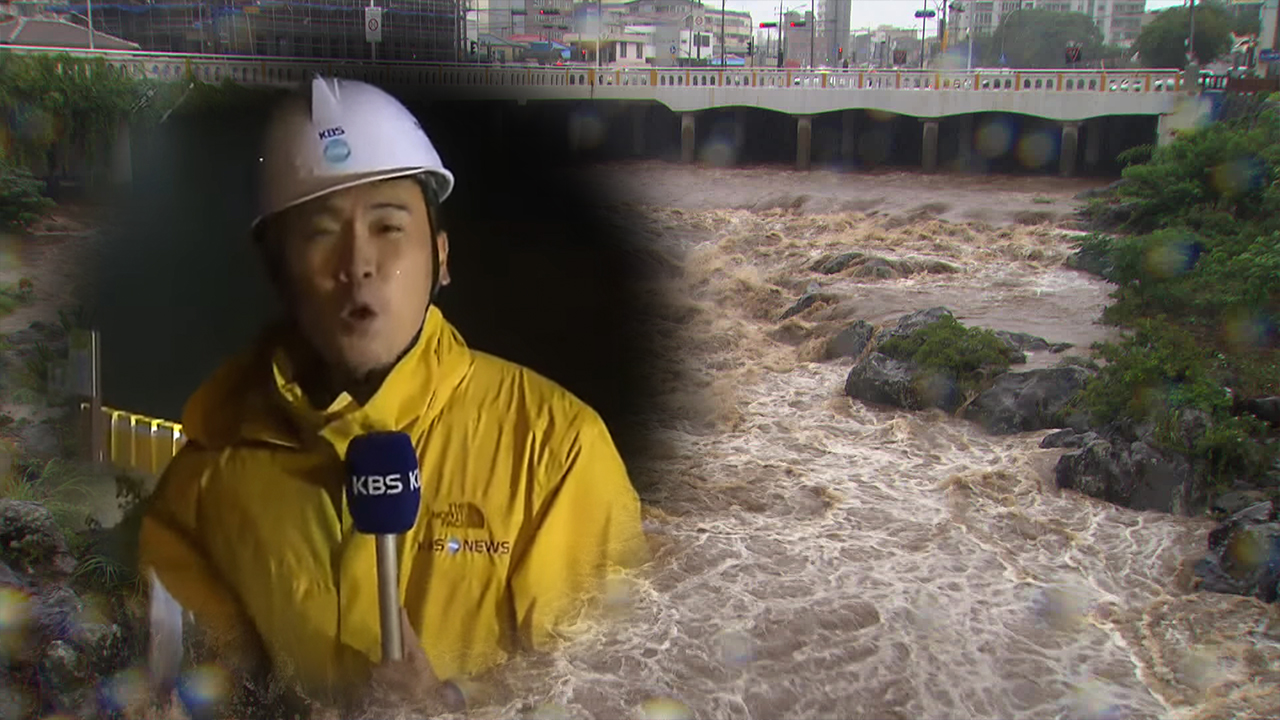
x: 1197, y: 262
x: 62, y: 116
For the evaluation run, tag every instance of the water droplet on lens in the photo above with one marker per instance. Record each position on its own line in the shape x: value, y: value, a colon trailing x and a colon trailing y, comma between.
x: 736, y: 647
x: 665, y: 709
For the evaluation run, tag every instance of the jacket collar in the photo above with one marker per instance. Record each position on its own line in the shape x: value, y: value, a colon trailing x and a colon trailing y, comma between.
x: 413, y: 393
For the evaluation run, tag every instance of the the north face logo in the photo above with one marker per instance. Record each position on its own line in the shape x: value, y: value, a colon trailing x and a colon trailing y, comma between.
x: 462, y: 515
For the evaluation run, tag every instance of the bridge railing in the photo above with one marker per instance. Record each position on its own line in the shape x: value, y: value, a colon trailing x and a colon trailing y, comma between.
x: 576, y: 79
x: 137, y: 443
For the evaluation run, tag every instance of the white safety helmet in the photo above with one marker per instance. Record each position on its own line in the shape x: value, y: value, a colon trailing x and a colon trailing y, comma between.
x: 353, y: 133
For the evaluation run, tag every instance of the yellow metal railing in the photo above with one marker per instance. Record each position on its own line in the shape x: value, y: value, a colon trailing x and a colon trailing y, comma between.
x: 138, y: 443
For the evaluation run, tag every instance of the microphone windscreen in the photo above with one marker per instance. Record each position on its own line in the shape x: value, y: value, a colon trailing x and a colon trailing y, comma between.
x: 384, y: 483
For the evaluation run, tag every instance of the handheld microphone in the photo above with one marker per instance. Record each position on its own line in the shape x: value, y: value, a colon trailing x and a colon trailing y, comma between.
x: 384, y: 490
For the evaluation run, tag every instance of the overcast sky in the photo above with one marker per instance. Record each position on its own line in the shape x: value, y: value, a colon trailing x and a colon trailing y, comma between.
x: 869, y: 13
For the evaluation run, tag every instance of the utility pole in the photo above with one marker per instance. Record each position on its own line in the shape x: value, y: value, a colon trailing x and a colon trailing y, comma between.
x: 90, y: 3
x: 722, y: 57
x: 599, y: 29
x: 923, y: 20
x: 969, y: 62
x: 781, y: 37
x: 943, y: 30
x: 1191, y: 36
x: 813, y: 20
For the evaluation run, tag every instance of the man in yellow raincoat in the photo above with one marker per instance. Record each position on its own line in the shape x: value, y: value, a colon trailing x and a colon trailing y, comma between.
x: 526, y: 504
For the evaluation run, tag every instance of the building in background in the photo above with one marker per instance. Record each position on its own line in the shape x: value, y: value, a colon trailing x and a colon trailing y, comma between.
x: 876, y: 48
x: 798, y: 32
x: 25, y: 23
x: 1119, y: 20
x: 737, y: 28
x: 833, y: 31
x: 427, y: 30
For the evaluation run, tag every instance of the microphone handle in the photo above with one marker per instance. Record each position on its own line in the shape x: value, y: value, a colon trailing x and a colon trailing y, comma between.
x: 389, y: 597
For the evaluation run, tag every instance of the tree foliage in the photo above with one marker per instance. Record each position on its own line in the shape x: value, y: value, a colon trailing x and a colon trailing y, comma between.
x: 1198, y: 286
x: 52, y: 99
x: 1034, y: 38
x: 1162, y: 43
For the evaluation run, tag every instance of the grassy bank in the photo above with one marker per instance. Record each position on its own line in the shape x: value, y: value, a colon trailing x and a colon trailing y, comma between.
x: 1197, y: 264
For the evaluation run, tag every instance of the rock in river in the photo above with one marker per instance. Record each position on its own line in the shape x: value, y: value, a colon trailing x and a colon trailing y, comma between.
x: 1030, y: 400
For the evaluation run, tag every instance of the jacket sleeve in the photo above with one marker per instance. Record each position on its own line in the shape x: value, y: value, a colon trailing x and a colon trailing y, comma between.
x: 587, y: 525
x: 169, y: 544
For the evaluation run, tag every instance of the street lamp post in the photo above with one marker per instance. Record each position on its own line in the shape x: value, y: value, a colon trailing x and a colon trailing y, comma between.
x: 90, y: 4
x: 924, y: 16
x: 1004, y: 31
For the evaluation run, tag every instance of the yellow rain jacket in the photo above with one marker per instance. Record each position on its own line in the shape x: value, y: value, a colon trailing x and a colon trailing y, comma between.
x: 526, y: 505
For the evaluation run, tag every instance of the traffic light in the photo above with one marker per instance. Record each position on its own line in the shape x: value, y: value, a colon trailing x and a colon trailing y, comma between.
x: 751, y: 47
x: 768, y: 24
x: 473, y: 47
x: 548, y: 12
x: 798, y: 24
x: 584, y: 53
x: 839, y: 53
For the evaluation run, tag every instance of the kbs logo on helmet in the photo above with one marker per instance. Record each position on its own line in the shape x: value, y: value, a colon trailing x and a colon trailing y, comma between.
x: 337, y: 151
x: 385, y: 484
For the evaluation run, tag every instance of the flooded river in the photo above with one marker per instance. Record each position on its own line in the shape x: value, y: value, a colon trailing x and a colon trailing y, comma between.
x: 818, y: 558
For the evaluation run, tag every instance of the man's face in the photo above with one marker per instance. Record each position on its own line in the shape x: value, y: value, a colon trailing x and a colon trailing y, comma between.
x: 359, y: 267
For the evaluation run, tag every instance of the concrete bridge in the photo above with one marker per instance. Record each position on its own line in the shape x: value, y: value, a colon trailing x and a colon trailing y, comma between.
x: 1071, y: 99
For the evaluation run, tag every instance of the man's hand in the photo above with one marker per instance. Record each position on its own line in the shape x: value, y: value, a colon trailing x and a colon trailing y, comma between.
x: 410, y: 680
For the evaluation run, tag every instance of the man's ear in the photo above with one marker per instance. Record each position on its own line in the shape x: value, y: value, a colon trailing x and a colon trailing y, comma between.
x: 442, y: 252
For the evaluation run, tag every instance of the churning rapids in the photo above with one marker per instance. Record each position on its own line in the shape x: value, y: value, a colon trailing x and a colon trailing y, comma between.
x: 819, y: 558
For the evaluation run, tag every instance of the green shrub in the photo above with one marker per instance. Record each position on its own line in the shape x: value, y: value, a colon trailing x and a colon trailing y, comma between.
x: 1136, y: 155
x: 1162, y: 370
x: 22, y: 201
x: 970, y: 356
x: 1228, y: 166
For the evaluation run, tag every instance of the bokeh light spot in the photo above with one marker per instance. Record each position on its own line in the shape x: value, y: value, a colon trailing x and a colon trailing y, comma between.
x: 1094, y: 701
x: 994, y: 138
x: 1246, y: 329
x: 1063, y: 608
x: 587, y: 129
x: 204, y: 688
x: 1036, y: 149
x: 1172, y: 256
x: 735, y: 647
x: 1238, y: 176
x: 664, y: 709
x: 718, y: 152
x: 125, y: 689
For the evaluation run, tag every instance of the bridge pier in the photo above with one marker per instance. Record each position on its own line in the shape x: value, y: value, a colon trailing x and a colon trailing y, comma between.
x: 688, y: 138
x: 964, y: 159
x: 804, y: 142
x: 1092, y: 143
x: 638, y: 116
x: 929, y: 147
x: 739, y: 130
x: 1070, y: 147
x: 848, y: 136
